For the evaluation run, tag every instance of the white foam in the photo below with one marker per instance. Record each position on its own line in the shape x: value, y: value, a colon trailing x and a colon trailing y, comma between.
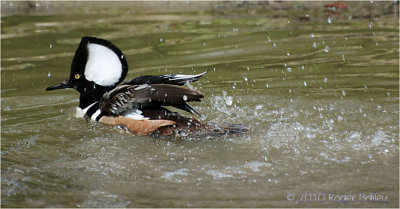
x: 255, y: 165
x: 79, y: 113
x: 218, y: 174
x: 103, y: 66
x: 172, y: 175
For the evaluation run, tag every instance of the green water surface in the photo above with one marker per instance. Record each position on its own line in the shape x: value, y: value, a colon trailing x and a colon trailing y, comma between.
x: 321, y: 99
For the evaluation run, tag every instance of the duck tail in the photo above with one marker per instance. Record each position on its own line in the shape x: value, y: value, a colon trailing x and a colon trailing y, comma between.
x: 192, y: 127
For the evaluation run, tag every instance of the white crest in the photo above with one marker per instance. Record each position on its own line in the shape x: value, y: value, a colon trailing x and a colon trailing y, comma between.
x: 103, y: 66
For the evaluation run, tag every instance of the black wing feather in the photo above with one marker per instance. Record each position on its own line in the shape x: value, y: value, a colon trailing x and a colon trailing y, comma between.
x: 187, y: 108
x: 125, y: 97
x: 173, y: 79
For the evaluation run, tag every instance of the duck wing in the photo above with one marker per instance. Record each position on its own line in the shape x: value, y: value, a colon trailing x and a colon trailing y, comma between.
x: 173, y: 79
x: 127, y: 97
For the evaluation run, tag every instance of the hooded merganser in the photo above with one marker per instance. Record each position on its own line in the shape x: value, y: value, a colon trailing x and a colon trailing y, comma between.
x: 97, y: 69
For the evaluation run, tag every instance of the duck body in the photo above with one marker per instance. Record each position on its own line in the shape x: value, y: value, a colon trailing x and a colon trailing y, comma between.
x: 98, y: 68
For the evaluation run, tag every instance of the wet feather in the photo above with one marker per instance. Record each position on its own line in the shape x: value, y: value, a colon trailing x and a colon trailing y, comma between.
x: 125, y: 97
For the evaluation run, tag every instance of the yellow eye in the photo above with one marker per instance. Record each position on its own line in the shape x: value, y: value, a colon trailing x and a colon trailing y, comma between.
x: 77, y: 76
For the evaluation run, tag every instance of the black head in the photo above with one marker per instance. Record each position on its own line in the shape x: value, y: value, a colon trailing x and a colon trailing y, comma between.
x: 98, y: 65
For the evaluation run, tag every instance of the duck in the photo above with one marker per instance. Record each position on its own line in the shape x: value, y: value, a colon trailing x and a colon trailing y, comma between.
x: 140, y: 105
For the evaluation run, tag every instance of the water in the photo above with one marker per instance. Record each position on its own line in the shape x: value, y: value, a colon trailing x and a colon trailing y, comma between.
x: 321, y: 99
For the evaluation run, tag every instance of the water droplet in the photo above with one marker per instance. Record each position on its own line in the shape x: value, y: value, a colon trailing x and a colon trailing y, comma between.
x: 184, y: 98
x: 326, y: 49
x: 228, y: 100
x: 329, y: 20
x: 259, y: 107
x: 312, y: 35
x: 305, y: 83
x: 314, y: 45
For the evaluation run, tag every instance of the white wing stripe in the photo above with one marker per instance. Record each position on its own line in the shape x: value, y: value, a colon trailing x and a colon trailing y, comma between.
x: 182, y: 76
x: 141, y: 87
x: 97, y: 113
x: 135, y: 114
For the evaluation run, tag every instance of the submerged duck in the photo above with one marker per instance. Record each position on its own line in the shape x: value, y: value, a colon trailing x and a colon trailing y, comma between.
x: 98, y: 68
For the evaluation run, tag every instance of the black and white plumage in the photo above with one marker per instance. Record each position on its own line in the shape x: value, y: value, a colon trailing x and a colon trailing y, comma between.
x: 97, y: 69
x: 173, y: 79
x: 126, y: 97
